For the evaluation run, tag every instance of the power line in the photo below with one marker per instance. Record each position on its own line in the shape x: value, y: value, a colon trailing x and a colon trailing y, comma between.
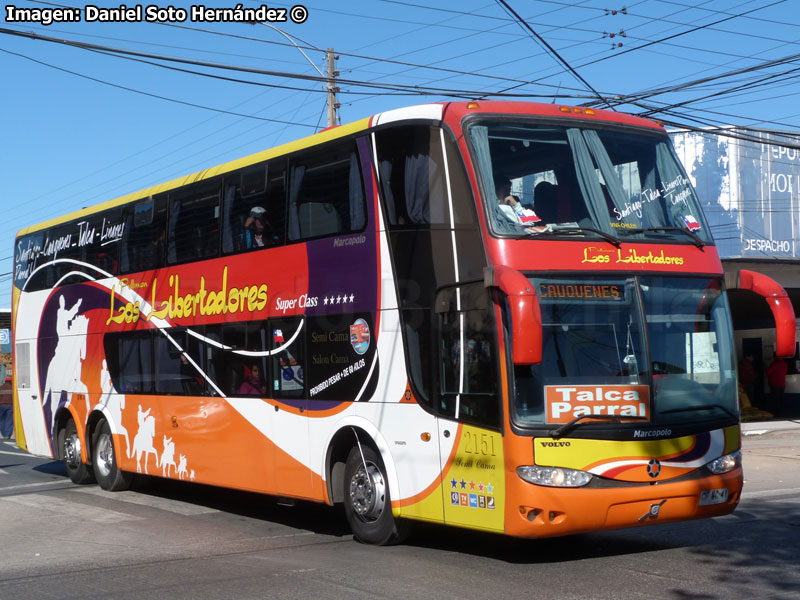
x: 307, y: 46
x: 722, y: 12
x: 552, y: 50
x: 757, y: 83
x: 682, y: 33
x: 396, y: 87
x: 151, y: 95
x: 698, y: 82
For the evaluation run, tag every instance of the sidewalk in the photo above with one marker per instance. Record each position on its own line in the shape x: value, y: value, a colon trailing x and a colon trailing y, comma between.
x: 762, y: 427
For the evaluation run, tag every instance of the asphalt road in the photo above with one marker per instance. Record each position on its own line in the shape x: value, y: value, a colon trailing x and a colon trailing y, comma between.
x: 182, y: 540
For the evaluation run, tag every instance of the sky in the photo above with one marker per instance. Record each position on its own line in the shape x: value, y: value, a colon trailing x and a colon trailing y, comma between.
x: 93, y: 110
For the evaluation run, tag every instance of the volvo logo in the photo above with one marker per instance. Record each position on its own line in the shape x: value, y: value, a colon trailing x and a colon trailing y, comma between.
x: 653, y: 468
x: 655, y: 510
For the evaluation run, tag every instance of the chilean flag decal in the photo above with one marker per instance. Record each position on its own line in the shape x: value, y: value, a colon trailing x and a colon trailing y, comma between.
x: 691, y: 223
x: 277, y: 336
x: 531, y: 218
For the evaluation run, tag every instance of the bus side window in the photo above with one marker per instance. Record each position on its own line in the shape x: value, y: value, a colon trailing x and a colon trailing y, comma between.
x: 244, y: 366
x: 254, y: 207
x: 288, y: 358
x: 142, y: 246
x: 194, y: 217
x: 275, y: 201
x: 216, y: 359
x: 326, y: 194
x: 130, y: 361
x: 234, y: 336
x: 101, y: 235
x: 171, y: 365
x: 179, y: 363
x: 196, y: 365
x: 64, y: 267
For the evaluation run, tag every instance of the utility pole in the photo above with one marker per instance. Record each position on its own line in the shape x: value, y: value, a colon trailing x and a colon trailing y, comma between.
x: 332, y: 89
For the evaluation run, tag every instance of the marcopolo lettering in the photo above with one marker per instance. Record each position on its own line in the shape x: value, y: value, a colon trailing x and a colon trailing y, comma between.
x: 652, y: 433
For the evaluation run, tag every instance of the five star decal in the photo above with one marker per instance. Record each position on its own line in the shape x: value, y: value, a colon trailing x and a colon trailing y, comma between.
x: 338, y: 299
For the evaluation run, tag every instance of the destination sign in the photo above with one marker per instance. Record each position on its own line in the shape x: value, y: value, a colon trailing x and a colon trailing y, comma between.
x: 604, y: 292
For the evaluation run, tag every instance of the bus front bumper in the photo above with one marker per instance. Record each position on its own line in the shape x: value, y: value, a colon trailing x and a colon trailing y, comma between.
x: 543, y: 511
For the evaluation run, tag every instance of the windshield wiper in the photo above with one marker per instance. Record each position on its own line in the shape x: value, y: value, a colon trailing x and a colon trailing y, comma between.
x: 567, y: 427
x: 578, y: 229
x: 697, y: 241
x: 699, y: 407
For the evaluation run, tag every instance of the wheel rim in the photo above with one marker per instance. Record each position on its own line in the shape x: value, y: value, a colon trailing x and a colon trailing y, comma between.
x: 105, y: 455
x: 368, y: 492
x: 72, y: 450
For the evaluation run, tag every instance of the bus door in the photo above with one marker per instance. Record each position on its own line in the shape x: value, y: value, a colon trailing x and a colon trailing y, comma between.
x: 473, y: 478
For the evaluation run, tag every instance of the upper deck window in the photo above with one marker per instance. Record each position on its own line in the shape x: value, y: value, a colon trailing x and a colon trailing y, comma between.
x: 145, y: 231
x: 194, y: 223
x: 326, y: 195
x: 541, y: 179
x: 254, y: 208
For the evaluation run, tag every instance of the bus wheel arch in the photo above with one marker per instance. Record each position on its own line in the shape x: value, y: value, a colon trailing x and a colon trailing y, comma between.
x: 71, y: 449
x: 350, y: 432
x: 336, y: 459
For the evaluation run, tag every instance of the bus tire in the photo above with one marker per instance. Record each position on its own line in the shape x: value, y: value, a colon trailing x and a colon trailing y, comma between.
x: 104, y: 461
x: 71, y: 450
x: 367, y: 503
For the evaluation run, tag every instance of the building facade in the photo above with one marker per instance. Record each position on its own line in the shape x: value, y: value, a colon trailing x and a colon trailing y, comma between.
x: 749, y: 183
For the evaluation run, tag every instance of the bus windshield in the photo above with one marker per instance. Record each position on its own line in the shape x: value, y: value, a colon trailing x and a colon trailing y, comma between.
x: 654, y: 349
x: 546, y: 178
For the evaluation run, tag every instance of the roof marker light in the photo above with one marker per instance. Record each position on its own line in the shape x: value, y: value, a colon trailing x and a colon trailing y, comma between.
x: 473, y: 105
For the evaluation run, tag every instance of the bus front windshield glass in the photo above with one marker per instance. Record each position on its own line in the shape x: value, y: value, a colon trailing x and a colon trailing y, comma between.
x: 543, y: 179
x: 645, y: 349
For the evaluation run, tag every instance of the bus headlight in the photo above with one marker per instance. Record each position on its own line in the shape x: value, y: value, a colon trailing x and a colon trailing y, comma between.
x: 554, y: 476
x: 726, y: 463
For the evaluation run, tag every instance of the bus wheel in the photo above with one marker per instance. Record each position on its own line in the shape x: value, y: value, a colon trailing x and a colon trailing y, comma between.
x: 104, y: 461
x: 366, y: 500
x: 72, y: 452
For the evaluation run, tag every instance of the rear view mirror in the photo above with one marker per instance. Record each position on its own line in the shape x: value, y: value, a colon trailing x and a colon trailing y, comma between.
x: 526, y: 318
x: 781, y: 306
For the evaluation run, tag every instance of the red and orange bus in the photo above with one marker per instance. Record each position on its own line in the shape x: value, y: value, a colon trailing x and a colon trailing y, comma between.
x: 503, y: 316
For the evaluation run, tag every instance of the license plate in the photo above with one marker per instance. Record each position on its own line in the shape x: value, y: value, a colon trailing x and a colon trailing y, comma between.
x: 708, y: 497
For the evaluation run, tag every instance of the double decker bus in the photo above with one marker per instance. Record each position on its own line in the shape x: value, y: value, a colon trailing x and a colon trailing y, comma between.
x: 502, y: 316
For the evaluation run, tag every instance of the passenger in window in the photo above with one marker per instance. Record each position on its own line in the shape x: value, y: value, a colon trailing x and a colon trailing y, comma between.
x: 512, y: 209
x: 257, y: 232
x: 253, y: 384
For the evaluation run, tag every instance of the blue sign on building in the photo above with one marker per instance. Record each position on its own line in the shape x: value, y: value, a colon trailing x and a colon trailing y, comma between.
x: 748, y: 181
